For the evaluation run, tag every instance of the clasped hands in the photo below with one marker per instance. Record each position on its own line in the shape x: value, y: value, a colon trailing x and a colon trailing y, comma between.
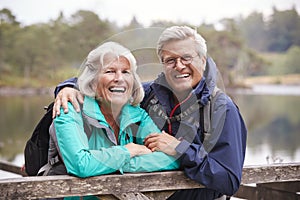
x: 155, y: 142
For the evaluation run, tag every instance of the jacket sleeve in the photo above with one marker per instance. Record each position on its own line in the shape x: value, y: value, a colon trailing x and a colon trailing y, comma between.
x: 72, y: 82
x: 156, y: 161
x: 220, y: 167
x: 78, y: 158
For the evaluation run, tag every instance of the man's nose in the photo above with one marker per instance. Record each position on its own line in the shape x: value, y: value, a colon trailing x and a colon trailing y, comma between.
x: 178, y: 64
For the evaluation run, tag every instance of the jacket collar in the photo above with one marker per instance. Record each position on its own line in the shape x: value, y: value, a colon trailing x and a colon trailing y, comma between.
x: 129, y: 113
x: 164, y: 93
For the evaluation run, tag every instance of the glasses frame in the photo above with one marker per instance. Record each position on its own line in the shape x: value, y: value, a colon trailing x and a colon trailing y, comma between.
x: 183, y: 60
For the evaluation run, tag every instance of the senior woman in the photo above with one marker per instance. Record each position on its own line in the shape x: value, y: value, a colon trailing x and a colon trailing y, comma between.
x: 112, y: 93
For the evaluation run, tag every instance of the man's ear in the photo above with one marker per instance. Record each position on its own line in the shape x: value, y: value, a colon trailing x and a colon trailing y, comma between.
x: 204, y: 62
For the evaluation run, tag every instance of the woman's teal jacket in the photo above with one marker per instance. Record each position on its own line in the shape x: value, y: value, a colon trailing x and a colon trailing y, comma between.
x: 101, y: 153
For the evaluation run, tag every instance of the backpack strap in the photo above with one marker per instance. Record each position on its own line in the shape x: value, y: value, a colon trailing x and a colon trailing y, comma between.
x: 208, y: 110
x: 46, y: 168
x: 149, y: 93
x: 155, y: 107
x: 55, y: 159
x: 202, y: 123
x: 213, y: 119
x: 86, y: 126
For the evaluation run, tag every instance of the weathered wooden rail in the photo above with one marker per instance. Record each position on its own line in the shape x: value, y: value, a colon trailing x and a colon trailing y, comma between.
x: 272, y: 182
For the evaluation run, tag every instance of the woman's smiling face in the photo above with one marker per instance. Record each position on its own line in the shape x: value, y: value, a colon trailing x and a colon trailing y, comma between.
x: 115, y: 81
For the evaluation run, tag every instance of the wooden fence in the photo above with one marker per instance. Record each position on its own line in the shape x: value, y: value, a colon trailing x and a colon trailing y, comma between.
x: 277, y: 181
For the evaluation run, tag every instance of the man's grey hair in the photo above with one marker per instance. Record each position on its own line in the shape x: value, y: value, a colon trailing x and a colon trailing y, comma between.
x: 95, y: 62
x: 174, y: 33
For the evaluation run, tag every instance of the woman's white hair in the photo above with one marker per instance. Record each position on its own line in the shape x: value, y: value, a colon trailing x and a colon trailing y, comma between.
x: 95, y: 62
x: 181, y: 33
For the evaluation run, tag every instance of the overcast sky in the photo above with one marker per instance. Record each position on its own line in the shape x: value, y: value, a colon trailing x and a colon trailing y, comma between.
x: 194, y: 12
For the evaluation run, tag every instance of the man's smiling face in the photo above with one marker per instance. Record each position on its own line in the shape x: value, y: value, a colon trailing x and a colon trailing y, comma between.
x: 182, y: 77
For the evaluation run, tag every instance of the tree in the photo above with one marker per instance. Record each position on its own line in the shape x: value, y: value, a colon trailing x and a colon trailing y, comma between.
x: 59, y: 28
x: 253, y: 29
x: 9, y: 29
x: 292, y: 60
x: 283, y: 30
x: 7, y: 17
x: 85, y: 33
x: 32, y: 51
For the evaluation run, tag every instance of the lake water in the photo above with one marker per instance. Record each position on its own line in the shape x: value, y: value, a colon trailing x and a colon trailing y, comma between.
x: 272, y: 115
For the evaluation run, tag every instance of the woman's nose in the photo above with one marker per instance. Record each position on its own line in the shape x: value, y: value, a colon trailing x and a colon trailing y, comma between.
x: 118, y: 76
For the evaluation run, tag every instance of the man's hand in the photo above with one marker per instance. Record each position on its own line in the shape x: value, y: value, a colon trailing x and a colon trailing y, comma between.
x: 162, y: 142
x: 62, y: 98
x: 137, y: 149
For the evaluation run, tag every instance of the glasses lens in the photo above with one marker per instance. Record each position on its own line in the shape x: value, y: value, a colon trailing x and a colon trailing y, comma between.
x: 170, y: 61
x: 186, y: 59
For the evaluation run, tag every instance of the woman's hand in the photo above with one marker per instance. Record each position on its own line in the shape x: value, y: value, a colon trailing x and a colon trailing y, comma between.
x: 62, y: 98
x: 137, y: 149
x: 162, y: 142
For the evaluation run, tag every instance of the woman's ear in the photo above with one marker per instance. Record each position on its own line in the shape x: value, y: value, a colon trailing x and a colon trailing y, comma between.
x: 94, y: 87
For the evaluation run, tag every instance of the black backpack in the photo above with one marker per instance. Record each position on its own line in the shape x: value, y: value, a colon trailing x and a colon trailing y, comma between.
x: 36, y: 149
x: 37, y: 162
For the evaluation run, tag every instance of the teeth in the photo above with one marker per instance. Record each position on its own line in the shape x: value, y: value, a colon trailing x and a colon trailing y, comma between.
x: 182, y: 76
x: 117, y: 89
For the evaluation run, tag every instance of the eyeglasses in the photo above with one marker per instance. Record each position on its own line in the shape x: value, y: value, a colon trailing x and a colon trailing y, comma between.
x: 185, y: 60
